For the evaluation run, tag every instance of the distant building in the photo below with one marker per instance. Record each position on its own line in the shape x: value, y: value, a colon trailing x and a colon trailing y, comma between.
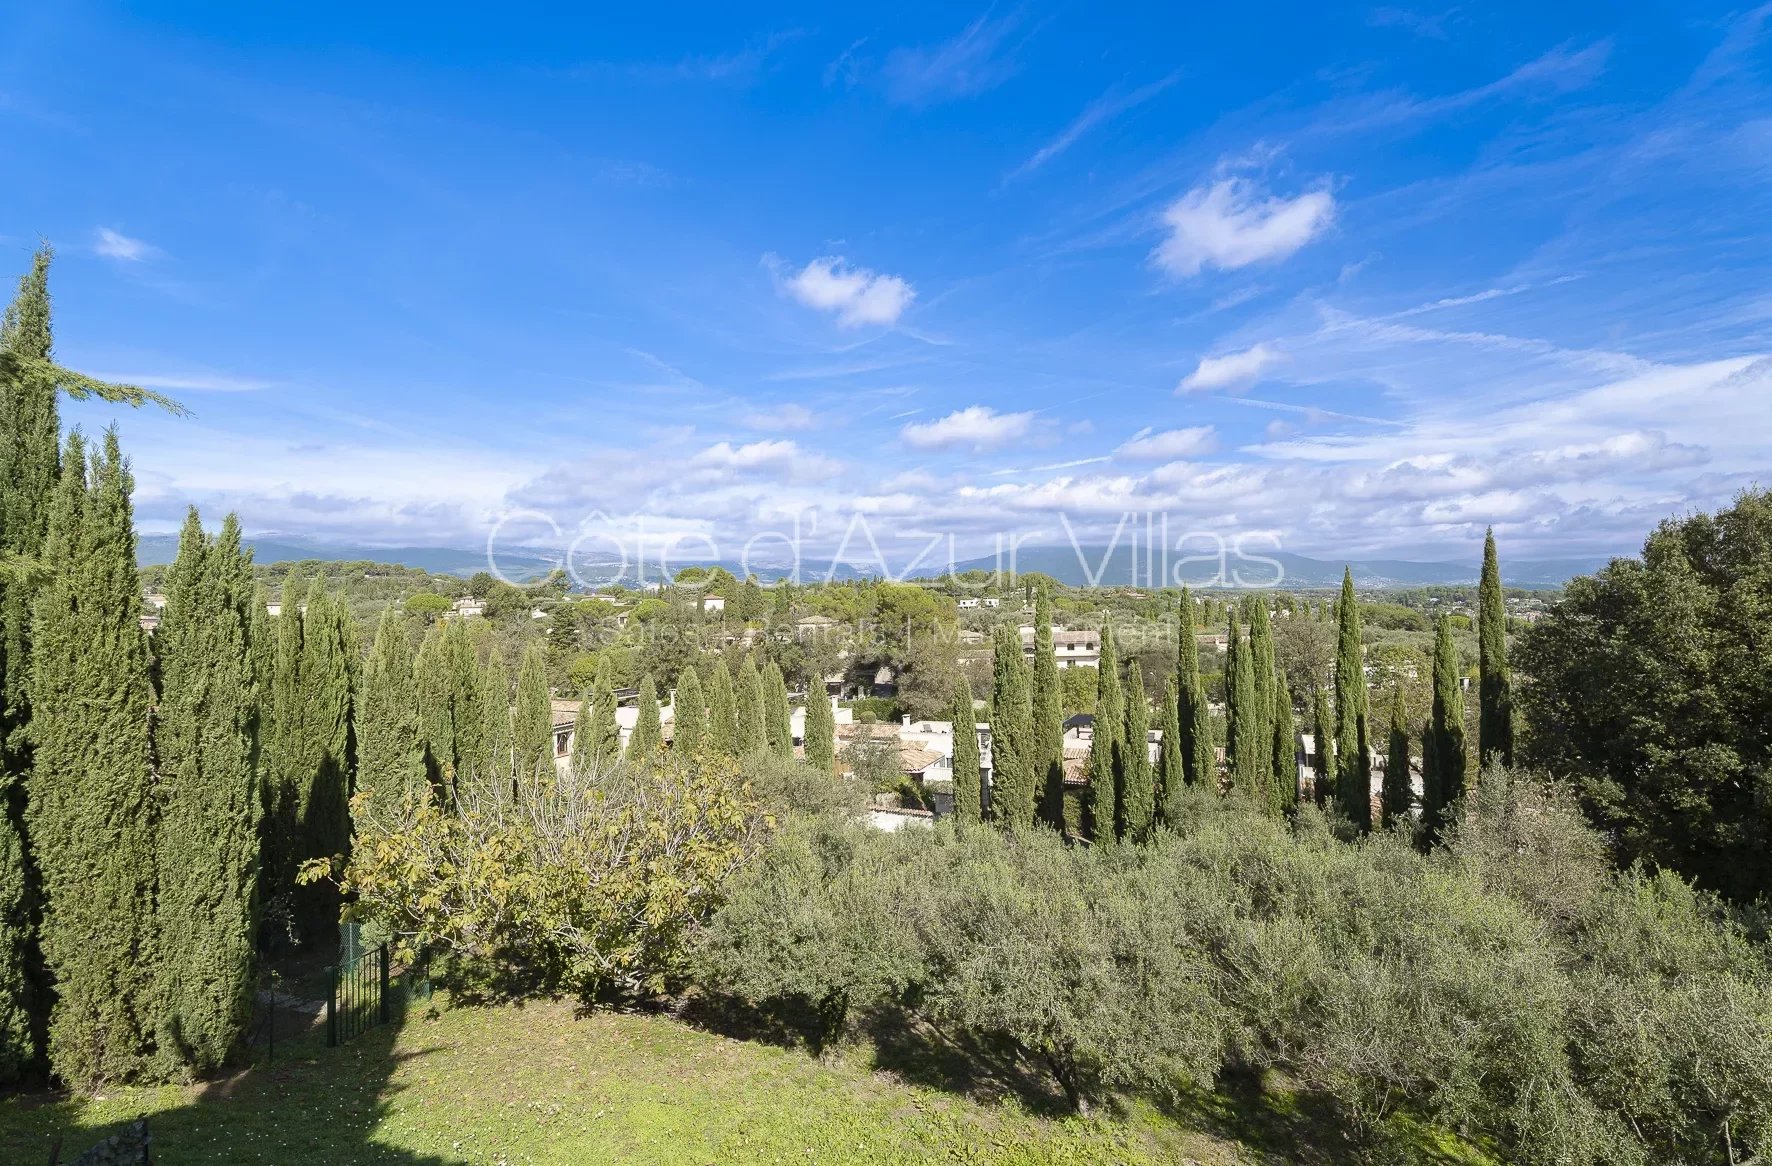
x: 713, y: 603
x: 1073, y: 649
x: 468, y: 607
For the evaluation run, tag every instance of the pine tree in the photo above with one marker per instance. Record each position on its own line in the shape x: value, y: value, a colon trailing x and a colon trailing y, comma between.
x: 91, y: 811
x: 1353, y: 735
x: 753, y: 728
x: 1171, y: 770
x: 778, y: 724
x: 390, y: 758
x: 820, y: 732
x: 1285, y: 750
x: 723, y: 739
x: 648, y: 735
x: 1195, y: 711
x: 968, y: 768
x: 1249, y: 742
x: 496, y: 768
x: 532, y: 722
x: 1048, y: 713
x: 1104, y: 744
x: 689, y: 719
x: 205, y: 910
x: 1013, y: 749
x: 1137, y: 783
x: 1495, y: 708
x: 1445, y: 737
x: 1323, y: 737
x: 1397, y: 795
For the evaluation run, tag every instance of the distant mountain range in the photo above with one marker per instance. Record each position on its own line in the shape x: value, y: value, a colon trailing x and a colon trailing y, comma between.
x: 1120, y: 567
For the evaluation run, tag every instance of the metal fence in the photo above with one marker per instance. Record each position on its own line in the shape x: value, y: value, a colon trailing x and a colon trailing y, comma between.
x: 358, y: 995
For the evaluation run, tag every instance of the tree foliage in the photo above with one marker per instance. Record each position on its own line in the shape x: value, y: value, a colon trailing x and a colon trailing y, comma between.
x: 1353, y: 734
x: 1495, y: 718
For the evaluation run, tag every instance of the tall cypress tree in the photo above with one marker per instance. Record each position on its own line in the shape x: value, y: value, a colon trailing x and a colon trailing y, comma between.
x: 532, y: 722
x: 390, y: 758
x: 968, y: 767
x: 820, y: 734
x: 753, y: 727
x: 1495, y: 708
x: 723, y: 740
x: 583, y: 751
x: 1013, y: 749
x: 1195, y: 711
x: 778, y: 725
x: 436, y: 707
x: 205, y: 911
x: 1104, y: 743
x: 1353, y: 734
x: 1138, y: 794
x: 284, y: 755
x: 1445, y: 735
x: 91, y: 811
x: 1397, y: 794
x: 1261, y: 645
x: 1284, y: 771
x: 328, y: 662
x: 648, y: 734
x: 605, y: 743
x: 466, y: 690
x: 689, y: 718
x: 1323, y: 737
x: 1048, y: 714
x: 497, y: 741
x: 1248, y: 742
x: 1171, y: 770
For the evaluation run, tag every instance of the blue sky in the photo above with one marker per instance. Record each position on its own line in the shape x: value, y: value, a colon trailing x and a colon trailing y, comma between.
x: 1364, y: 277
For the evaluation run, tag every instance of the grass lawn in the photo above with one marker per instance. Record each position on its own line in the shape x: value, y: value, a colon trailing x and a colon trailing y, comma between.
x: 541, y: 1084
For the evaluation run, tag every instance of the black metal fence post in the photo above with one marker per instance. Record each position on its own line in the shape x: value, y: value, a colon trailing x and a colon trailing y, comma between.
x: 332, y: 1006
x: 387, y: 1013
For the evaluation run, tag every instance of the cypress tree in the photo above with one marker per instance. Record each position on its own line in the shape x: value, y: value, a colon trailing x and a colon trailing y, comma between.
x: 1249, y: 743
x: 497, y: 742
x: 1171, y: 770
x: 466, y: 694
x: 689, y: 720
x: 753, y: 728
x: 1285, y: 746
x: 968, y: 767
x: 436, y: 707
x: 1013, y: 750
x: 390, y: 758
x: 605, y: 742
x: 778, y: 725
x: 1048, y: 714
x: 723, y: 738
x: 1323, y: 737
x: 648, y: 734
x: 532, y: 723
x: 91, y: 810
x: 583, y: 751
x: 1195, y: 712
x: 205, y: 911
x: 1495, y: 708
x: 1445, y: 734
x: 820, y: 734
x: 1104, y: 744
x: 1137, y: 787
x: 1353, y: 735
x: 328, y: 660
x: 1397, y: 794
x: 284, y: 756
x: 1261, y: 645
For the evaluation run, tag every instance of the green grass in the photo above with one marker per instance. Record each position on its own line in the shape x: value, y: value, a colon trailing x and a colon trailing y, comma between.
x: 541, y: 1084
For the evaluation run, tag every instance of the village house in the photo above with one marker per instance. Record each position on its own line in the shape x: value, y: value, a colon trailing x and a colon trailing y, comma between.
x: 713, y: 604
x: 1073, y: 649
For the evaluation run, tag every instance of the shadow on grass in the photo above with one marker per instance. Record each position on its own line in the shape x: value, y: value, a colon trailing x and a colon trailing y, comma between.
x: 310, y: 1104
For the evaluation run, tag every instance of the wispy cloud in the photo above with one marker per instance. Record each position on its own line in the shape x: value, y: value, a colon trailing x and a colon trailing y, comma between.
x: 855, y: 295
x: 1231, y: 369
x: 193, y: 382
x: 1147, y: 445
x: 787, y: 416
x: 973, y: 62
x: 977, y: 426
x: 1103, y: 109
x: 114, y: 244
x: 1233, y: 223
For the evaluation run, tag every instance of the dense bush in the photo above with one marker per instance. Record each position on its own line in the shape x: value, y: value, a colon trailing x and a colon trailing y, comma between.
x: 1507, y: 986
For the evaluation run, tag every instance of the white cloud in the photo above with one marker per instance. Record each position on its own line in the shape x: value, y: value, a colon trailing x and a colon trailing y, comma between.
x: 969, y: 64
x: 116, y: 245
x: 1169, y: 444
x: 785, y: 416
x: 1231, y: 369
x: 978, y: 426
x: 1233, y: 223
x: 856, y: 295
x: 755, y: 455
